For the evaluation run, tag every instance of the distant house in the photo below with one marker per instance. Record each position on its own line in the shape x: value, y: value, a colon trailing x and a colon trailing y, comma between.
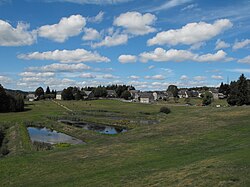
x: 159, y: 95
x: 111, y: 94
x: 215, y: 93
x: 188, y: 93
x: 59, y: 96
x: 196, y: 93
x: 183, y: 94
x: 146, y: 97
x: 89, y: 95
x: 155, y: 95
x: 135, y: 94
x: 31, y: 97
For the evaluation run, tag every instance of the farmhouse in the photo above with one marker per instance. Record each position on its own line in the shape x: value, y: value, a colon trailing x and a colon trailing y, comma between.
x: 146, y: 97
x: 31, y: 97
x: 215, y: 93
x: 183, y: 94
x: 135, y: 94
x: 59, y: 96
x: 111, y: 94
x: 89, y: 95
x: 159, y: 95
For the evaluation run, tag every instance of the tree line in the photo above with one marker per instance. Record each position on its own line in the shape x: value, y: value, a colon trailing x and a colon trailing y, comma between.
x: 10, y: 102
x: 76, y: 93
x: 238, y: 92
x: 41, y: 94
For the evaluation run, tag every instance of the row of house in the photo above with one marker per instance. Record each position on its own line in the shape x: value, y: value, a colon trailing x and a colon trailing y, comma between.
x: 194, y: 93
x: 144, y: 97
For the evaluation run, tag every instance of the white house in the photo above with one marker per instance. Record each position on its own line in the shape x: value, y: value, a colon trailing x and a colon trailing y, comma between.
x: 135, y: 94
x: 155, y: 95
x: 59, y: 96
x: 31, y: 97
x: 146, y: 97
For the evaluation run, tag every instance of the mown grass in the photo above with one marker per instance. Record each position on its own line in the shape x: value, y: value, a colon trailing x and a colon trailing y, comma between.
x: 191, y: 146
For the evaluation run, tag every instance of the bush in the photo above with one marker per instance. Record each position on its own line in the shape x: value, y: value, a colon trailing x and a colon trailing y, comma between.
x: 165, y: 110
x: 207, y: 98
x: 4, y: 150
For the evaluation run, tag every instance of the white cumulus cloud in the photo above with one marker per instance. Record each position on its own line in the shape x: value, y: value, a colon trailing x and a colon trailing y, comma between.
x: 191, y: 33
x: 184, y: 77
x: 127, y: 59
x: 155, y: 77
x: 241, y: 44
x: 161, y: 55
x: 19, y: 36
x: 67, y: 27
x: 113, y: 40
x: 97, y: 19
x: 4, y: 79
x: 134, y: 77
x: 245, y: 60
x: 199, y: 78
x: 136, y: 23
x: 221, y: 44
x: 60, y: 68
x: 219, y: 56
x: 109, y: 76
x: 87, y: 76
x: 66, y: 56
x: 217, y: 77
x: 91, y: 34
x: 35, y: 74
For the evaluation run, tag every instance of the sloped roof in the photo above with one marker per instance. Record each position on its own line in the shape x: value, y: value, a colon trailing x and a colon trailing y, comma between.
x: 146, y: 95
x: 87, y: 92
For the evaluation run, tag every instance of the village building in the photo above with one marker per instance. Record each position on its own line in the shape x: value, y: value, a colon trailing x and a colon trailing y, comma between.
x: 135, y: 94
x: 146, y: 97
x: 59, y: 96
x: 31, y: 97
x: 89, y: 95
x: 159, y: 95
x: 215, y: 93
x: 182, y: 94
x: 111, y: 94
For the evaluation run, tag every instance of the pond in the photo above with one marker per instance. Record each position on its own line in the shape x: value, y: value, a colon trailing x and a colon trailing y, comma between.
x: 51, y: 136
x: 103, y: 129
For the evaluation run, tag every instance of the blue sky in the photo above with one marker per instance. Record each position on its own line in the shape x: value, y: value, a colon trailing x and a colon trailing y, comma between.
x: 149, y: 44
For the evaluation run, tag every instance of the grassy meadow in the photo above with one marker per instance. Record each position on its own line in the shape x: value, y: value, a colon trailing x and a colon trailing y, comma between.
x: 191, y: 146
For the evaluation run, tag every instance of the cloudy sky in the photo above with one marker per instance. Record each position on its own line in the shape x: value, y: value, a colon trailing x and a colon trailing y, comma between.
x: 149, y: 44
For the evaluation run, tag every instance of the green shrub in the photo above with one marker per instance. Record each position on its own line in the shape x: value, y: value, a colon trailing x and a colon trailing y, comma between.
x: 4, y: 150
x: 165, y: 110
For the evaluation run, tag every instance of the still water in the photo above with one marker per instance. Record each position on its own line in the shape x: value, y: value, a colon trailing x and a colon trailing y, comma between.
x: 51, y: 136
x: 103, y: 129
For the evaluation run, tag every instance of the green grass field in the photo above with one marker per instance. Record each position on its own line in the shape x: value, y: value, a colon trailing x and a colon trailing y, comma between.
x: 191, y: 146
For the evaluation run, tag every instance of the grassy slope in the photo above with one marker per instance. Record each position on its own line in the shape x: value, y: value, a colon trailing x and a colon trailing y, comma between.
x: 202, y: 146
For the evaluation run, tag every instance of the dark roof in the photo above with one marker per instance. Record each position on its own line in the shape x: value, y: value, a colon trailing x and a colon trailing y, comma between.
x: 134, y: 91
x: 146, y: 95
x: 87, y: 92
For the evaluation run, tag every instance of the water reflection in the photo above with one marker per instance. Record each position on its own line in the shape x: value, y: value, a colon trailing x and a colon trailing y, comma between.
x: 51, y: 136
x: 103, y: 129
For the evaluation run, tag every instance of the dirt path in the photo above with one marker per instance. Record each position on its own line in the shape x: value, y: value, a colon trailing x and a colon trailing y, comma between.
x: 66, y: 108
